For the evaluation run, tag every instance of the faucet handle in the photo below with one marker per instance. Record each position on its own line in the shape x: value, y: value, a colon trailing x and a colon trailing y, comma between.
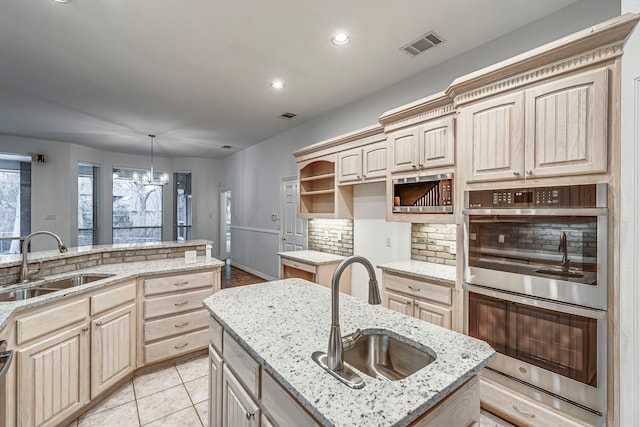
x: 35, y: 270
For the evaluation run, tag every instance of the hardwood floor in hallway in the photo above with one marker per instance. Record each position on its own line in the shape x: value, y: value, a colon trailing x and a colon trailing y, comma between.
x: 232, y: 276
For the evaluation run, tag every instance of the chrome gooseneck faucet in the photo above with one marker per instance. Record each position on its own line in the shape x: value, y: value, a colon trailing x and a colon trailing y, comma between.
x: 334, y: 351
x: 332, y: 361
x: 563, y: 248
x: 24, y: 272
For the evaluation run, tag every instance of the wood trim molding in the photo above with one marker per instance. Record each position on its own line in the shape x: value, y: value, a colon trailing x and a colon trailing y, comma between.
x: 577, y: 62
x: 362, y: 136
x: 418, y: 111
x: 592, y: 45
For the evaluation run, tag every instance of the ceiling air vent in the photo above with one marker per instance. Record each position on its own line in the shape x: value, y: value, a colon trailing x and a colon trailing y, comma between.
x: 422, y: 43
x: 227, y: 147
x: 287, y: 116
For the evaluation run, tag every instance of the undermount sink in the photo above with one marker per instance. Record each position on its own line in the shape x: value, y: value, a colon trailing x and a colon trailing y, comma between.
x: 23, y: 293
x: 560, y: 273
x: 29, y: 291
x: 384, y: 357
x: 73, y: 281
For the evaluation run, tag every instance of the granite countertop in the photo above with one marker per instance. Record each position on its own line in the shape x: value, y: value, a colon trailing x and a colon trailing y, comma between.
x: 16, y: 259
x: 281, y: 332
x: 423, y: 270
x: 312, y: 257
x: 121, y: 271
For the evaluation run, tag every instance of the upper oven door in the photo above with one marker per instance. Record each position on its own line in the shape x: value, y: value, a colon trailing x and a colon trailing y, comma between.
x: 557, y: 254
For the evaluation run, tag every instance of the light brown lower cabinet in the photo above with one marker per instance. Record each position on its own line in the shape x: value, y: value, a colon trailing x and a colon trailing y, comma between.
x: 215, y: 388
x: 422, y: 299
x: 317, y: 273
x: 53, y: 377
x: 72, y: 351
x: 239, y: 408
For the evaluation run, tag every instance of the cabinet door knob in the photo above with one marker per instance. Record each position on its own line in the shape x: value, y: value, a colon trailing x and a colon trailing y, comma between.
x: 414, y: 166
x: 516, y: 173
x: 85, y: 329
x: 99, y: 323
x: 529, y: 172
x: 420, y: 165
x: 409, y: 302
x: 250, y: 415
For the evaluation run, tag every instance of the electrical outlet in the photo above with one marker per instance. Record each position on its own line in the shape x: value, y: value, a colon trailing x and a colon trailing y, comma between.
x: 501, y: 238
x: 326, y: 234
x: 388, y: 242
x: 452, y: 248
x: 339, y: 236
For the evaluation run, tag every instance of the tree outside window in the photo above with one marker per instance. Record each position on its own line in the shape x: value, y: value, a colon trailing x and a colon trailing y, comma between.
x: 137, y: 209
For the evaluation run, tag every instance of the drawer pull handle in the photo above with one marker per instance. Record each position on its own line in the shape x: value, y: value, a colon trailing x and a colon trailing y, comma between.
x: 181, y: 325
x: 523, y: 411
x: 180, y: 304
x: 186, y: 282
x: 99, y: 323
x: 409, y: 302
x: 250, y: 415
x: 414, y: 289
x: 180, y: 345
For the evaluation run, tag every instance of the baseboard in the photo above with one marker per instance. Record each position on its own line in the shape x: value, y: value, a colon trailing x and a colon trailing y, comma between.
x: 252, y: 271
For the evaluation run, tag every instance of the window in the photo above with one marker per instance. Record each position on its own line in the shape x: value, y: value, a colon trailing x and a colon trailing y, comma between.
x: 137, y: 209
x: 15, y: 201
x: 87, y: 204
x: 183, y: 205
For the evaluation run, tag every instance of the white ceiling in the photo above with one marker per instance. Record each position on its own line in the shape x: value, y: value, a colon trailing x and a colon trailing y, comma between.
x: 105, y: 73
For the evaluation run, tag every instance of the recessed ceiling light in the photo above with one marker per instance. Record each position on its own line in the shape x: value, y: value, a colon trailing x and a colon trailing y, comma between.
x: 277, y: 84
x: 340, y: 39
x: 61, y: 1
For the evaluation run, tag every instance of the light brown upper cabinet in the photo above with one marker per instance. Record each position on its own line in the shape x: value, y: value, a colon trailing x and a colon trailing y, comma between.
x: 427, y: 146
x: 556, y: 128
x: 366, y: 164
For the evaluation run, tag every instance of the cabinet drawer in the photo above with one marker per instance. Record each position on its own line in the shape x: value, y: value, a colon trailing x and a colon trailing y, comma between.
x: 299, y: 265
x: 171, y: 347
x: 177, y: 303
x: 418, y: 288
x: 113, y: 298
x: 162, y: 285
x: 283, y: 409
x: 246, y: 369
x: 51, y: 319
x: 174, y: 325
x: 215, y: 334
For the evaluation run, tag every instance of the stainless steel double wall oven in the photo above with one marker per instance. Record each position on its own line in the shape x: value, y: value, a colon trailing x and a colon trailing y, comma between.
x: 536, y: 276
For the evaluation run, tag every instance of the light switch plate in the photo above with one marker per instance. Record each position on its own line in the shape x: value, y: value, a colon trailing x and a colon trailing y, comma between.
x: 452, y: 248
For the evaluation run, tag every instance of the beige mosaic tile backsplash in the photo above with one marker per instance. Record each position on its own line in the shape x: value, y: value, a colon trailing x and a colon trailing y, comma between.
x: 431, y: 242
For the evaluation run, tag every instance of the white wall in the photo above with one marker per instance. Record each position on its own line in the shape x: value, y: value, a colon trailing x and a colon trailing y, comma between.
x: 254, y: 174
x: 370, y: 233
x: 630, y: 228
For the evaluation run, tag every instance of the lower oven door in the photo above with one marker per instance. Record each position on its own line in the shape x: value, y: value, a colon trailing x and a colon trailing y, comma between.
x: 554, y: 347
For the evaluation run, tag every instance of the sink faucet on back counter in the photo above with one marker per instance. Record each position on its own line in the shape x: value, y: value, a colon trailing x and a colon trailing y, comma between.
x: 24, y: 271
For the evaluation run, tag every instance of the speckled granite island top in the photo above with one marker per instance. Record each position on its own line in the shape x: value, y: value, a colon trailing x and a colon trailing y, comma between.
x: 424, y: 270
x: 282, y: 323
x: 312, y: 257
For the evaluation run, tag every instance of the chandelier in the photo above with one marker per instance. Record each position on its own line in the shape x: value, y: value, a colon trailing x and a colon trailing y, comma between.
x: 149, y: 178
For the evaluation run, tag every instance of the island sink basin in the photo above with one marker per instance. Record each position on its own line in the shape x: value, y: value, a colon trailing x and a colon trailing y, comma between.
x: 382, y: 356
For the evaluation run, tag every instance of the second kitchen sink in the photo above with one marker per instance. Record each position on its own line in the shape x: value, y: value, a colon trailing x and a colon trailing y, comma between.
x: 30, y: 291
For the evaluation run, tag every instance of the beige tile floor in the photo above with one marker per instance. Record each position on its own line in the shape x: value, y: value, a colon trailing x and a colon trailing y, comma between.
x: 172, y: 397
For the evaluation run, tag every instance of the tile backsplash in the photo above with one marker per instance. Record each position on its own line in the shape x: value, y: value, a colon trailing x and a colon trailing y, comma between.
x: 334, y: 236
x: 431, y: 242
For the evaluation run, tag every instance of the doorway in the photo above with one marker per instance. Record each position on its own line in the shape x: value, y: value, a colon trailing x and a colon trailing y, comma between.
x: 293, y: 232
x: 225, y: 225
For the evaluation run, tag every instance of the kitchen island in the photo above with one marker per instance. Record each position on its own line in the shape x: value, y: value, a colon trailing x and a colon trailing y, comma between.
x: 263, y: 336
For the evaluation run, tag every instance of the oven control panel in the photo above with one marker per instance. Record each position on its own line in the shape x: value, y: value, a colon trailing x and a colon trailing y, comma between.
x: 573, y: 196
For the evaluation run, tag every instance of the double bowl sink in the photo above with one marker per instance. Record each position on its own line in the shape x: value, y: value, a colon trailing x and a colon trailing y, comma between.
x: 31, y: 290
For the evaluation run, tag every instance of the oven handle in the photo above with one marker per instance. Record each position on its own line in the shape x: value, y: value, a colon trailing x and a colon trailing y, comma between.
x: 540, y: 212
x: 6, y: 357
x: 577, y: 310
